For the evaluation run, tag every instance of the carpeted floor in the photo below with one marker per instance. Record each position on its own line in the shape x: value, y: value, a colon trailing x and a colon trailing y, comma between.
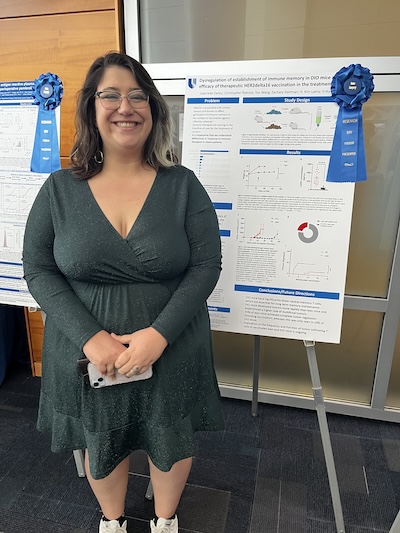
x: 263, y: 474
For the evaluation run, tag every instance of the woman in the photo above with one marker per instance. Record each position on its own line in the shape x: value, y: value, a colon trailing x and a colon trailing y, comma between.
x: 121, y: 252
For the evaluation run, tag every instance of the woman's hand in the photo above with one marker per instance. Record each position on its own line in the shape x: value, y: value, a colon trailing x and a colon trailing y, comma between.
x: 103, y: 350
x: 145, y: 346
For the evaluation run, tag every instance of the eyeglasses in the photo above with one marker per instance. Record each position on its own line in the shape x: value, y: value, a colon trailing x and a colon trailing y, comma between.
x: 137, y: 99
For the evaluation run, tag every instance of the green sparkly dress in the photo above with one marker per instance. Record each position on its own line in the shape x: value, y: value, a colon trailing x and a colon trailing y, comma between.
x: 87, y: 278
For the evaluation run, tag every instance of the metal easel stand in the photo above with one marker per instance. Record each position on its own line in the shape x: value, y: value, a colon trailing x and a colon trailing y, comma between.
x: 324, y: 430
x: 323, y: 426
x: 256, y: 370
x: 79, y: 462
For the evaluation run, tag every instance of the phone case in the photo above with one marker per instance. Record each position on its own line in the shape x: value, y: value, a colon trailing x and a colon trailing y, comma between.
x: 98, y: 380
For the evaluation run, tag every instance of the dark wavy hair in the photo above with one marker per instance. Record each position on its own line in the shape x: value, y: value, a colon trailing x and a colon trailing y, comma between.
x: 158, y: 149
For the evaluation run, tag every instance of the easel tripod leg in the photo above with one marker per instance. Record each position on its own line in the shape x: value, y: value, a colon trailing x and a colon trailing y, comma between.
x: 79, y: 462
x: 326, y: 441
x: 396, y: 525
x: 256, y: 370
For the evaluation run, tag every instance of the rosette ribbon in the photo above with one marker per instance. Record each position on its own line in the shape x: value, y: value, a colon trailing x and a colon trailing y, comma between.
x: 47, y: 93
x: 351, y: 87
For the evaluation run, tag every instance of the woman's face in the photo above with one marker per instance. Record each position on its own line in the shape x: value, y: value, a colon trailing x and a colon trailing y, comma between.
x: 124, y: 131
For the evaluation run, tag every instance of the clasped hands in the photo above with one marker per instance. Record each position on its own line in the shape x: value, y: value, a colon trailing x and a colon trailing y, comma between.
x: 130, y: 354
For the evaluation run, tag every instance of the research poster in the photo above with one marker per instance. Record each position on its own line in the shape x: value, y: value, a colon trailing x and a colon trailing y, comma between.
x: 18, y: 186
x: 260, y: 145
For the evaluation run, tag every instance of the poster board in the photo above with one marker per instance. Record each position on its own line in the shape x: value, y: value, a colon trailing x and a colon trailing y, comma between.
x: 260, y: 144
x: 18, y: 185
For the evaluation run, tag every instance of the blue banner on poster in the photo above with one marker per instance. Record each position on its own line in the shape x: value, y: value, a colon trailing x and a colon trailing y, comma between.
x: 15, y: 90
x: 47, y: 93
x: 351, y: 87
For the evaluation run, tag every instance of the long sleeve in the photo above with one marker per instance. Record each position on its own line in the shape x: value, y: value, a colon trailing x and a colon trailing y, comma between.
x: 204, y: 267
x: 72, y: 254
x: 46, y: 283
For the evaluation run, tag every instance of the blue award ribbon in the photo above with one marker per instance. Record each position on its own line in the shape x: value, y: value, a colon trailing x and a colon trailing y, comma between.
x: 47, y: 93
x: 351, y: 87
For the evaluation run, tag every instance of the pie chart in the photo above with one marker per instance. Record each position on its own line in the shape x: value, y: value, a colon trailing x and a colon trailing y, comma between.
x: 307, y: 232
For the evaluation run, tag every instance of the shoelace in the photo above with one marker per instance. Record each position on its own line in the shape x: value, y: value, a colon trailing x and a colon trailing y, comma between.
x: 167, y: 527
x: 163, y: 529
x: 119, y: 529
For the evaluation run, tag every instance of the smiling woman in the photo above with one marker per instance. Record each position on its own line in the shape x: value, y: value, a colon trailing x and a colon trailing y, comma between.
x: 121, y: 252
x: 113, y: 74
x: 124, y: 128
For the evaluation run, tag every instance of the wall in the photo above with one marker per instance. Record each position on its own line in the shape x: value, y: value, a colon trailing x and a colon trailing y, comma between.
x: 190, y: 30
x: 180, y: 30
x: 321, y: 28
x: 63, y: 37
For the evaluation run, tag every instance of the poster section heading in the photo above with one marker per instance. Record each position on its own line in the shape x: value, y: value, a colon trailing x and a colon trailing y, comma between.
x: 18, y: 186
x: 260, y: 145
x: 311, y: 84
x: 16, y: 90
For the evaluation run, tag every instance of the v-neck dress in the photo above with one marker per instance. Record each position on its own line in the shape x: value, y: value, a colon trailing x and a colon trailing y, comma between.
x: 86, y: 277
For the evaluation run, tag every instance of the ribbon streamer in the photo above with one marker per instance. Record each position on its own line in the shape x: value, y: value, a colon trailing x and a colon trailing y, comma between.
x: 351, y: 87
x: 47, y: 93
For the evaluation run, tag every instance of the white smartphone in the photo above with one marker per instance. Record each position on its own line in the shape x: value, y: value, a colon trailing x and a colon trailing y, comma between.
x: 98, y: 380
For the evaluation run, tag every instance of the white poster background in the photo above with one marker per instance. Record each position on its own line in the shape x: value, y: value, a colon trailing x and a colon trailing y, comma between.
x: 260, y: 144
x: 18, y: 185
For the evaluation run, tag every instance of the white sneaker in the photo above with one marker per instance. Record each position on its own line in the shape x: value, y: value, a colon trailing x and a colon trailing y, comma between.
x: 164, y: 526
x: 112, y: 526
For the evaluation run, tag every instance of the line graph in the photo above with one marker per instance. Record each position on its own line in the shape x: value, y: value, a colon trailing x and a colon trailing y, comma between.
x: 258, y: 232
x: 264, y: 176
x: 17, y: 198
x: 315, y: 269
